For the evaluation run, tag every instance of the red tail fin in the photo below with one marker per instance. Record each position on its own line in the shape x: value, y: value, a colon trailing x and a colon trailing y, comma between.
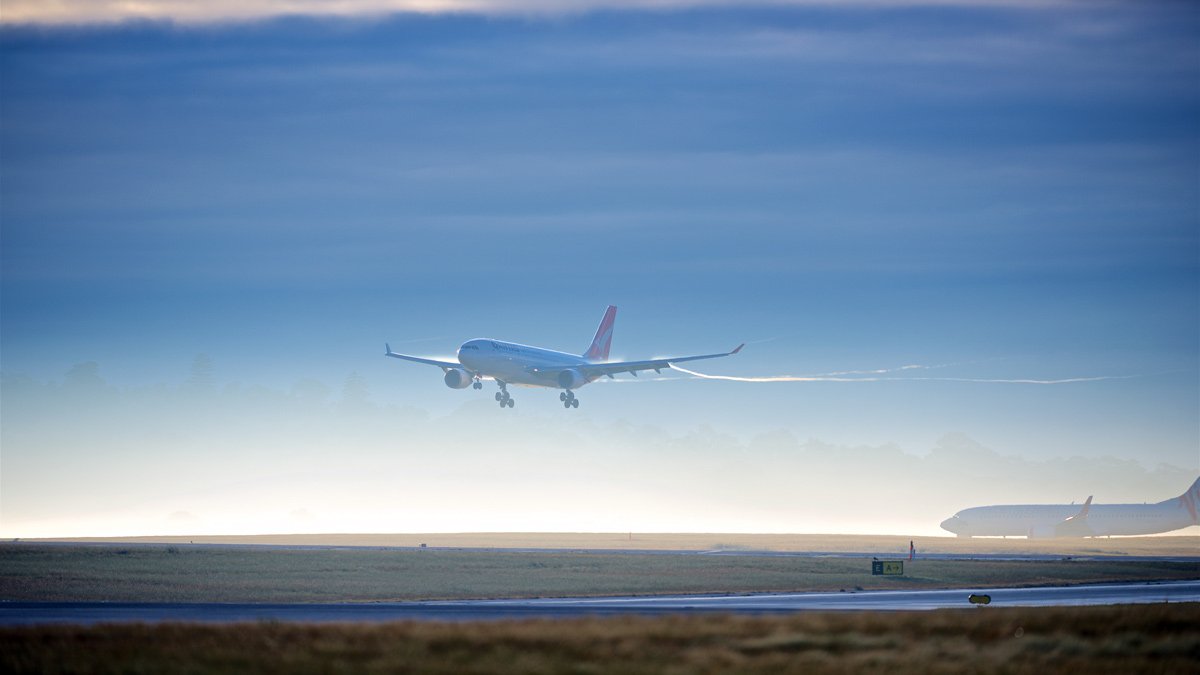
x: 600, y: 344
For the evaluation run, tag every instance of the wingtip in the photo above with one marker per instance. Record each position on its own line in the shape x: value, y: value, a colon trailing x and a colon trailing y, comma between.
x: 737, y: 348
x: 387, y: 349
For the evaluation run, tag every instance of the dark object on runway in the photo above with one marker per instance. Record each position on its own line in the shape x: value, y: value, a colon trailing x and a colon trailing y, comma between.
x: 979, y: 599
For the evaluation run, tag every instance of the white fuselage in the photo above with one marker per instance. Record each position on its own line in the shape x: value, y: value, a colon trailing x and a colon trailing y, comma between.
x: 514, y: 363
x: 511, y: 363
x: 1049, y: 520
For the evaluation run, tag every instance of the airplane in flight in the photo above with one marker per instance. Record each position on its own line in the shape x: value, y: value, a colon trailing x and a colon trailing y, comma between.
x: 510, y: 363
x: 1037, y: 521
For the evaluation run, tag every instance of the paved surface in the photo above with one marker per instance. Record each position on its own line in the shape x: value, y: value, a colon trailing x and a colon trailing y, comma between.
x: 24, y: 613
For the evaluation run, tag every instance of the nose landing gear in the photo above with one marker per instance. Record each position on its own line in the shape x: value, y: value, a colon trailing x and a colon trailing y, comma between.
x: 568, y: 399
x: 503, y: 397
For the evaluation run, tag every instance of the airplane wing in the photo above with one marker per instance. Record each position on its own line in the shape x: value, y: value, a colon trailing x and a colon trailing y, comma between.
x: 444, y: 365
x: 593, y: 371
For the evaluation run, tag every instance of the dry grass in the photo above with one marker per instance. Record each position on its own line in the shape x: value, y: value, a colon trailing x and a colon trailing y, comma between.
x: 1121, y: 639
x: 232, y: 574
x: 1179, y: 545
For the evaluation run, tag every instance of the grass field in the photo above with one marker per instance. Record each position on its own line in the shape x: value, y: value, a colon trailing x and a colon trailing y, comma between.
x: 1094, y: 640
x: 1176, y: 545
x: 238, y: 574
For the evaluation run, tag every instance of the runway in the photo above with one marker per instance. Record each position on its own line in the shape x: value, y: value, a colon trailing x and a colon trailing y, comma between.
x: 30, y: 613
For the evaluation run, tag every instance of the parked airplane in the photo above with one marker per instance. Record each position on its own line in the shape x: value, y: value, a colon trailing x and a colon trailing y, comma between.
x: 1071, y: 520
x: 510, y: 363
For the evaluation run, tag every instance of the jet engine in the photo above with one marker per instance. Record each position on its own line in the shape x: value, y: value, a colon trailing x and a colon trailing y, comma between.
x: 458, y: 379
x: 571, y: 379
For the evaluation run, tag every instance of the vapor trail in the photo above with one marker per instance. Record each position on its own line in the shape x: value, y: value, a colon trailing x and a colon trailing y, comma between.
x: 877, y: 371
x: 835, y: 377
x: 1066, y: 380
x: 775, y: 378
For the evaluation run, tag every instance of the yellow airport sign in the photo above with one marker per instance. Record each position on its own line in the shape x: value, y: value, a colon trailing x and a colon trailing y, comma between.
x: 887, y: 567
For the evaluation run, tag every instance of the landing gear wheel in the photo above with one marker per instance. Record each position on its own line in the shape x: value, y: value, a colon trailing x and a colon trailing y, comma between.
x: 566, y: 404
x: 499, y: 397
x: 562, y: 395
x: 510, y: 402
x: 477, y: 385
x: 574, y: 403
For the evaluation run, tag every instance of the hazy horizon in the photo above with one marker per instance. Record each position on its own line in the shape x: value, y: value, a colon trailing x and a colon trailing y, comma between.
x: 202, y: 456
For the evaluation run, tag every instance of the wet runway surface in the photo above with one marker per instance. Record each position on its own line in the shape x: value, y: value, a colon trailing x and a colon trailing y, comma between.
x: 27, y: 613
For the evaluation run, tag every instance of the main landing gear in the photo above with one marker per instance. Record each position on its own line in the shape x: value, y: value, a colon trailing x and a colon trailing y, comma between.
x: 502, y: 397
x: 477, y: 384
x: 568, y: 399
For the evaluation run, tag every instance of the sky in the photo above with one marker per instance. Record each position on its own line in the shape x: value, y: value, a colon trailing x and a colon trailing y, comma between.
x: 961, y: 240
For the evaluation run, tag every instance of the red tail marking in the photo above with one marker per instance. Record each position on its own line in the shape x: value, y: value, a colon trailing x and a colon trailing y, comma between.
x: 603, y: 340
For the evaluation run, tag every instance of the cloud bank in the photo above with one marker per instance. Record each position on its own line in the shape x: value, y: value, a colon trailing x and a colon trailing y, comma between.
x: 66, y: 12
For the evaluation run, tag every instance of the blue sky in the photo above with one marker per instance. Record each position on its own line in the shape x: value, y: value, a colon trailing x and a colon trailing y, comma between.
x: 992, y: 192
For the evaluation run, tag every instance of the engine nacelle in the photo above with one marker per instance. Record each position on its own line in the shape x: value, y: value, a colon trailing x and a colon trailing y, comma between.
x: 571, y: 379
x: 458, y: 379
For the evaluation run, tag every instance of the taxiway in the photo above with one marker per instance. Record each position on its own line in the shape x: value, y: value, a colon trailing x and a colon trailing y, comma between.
x: 30, y: 613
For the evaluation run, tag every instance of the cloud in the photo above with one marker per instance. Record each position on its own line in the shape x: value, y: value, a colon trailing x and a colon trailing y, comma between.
x: 212, y: 11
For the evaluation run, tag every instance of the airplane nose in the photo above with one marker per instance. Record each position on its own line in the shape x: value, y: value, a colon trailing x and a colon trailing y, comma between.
x: 951, y: 524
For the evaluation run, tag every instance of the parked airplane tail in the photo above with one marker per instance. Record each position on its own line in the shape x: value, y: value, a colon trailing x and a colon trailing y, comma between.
x: 1190, y: 500
x: 600, y: 344
x: 1195, y: 489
